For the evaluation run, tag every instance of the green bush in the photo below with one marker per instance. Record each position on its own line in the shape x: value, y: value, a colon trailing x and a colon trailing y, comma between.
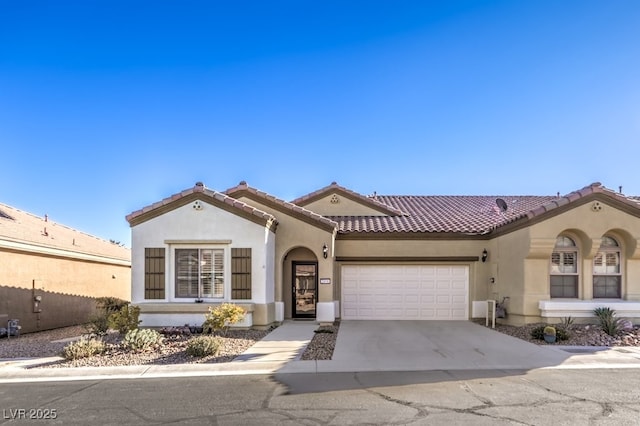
x: 83, y: 348
x: 110, y: 305
x: 607, y: 319
x: 142, y: 339
x: 202, y: 346
x: 221, y: 317
x: 98, y: 324
x: 538, y: 333
x: 126, y: 319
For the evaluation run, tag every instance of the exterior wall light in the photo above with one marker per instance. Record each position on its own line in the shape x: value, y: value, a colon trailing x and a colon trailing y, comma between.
x: 485, y: 255
x: 325, y: 251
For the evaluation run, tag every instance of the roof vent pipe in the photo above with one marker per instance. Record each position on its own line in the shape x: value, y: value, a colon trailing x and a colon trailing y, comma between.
x: 620, y: 189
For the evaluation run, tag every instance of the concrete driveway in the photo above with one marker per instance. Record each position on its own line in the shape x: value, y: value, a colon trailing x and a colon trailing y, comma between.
x: 434, y: 345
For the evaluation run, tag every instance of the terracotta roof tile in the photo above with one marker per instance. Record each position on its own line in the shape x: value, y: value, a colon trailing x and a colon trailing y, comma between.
x: 374, y: 201
x: 200, y: 188
x: 22, y: 227
x: 243, y: 186
x: 464, y: 214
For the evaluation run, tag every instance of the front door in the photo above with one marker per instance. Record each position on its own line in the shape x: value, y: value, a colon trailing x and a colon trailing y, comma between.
x: 305, y: 289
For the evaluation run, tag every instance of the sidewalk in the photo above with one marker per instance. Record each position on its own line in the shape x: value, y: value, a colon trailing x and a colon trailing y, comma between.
x: 280, y: 351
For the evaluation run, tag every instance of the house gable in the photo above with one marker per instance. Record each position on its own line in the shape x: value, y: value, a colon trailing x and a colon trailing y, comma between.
x: 597, y: 198
x: 199, y: 194
x: 247, y: 194
x: 335, y: 200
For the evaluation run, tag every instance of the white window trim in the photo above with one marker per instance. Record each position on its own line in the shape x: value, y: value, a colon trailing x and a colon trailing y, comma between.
x: 578, y: 259
x: 620, y: 273
x: 171, y: 267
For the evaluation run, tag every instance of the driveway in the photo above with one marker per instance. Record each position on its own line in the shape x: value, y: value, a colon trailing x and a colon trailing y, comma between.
x: 434, y: 345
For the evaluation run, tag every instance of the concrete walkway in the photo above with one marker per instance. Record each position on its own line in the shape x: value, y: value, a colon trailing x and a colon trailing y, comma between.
x: 361, y: 346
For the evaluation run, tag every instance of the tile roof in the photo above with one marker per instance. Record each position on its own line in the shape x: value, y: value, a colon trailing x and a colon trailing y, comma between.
x: 475, y: 215
x: 373, y: 201
x: 443, y: 213
x: 285, y: 205
x: 200, y: 188
x: 17, y: 226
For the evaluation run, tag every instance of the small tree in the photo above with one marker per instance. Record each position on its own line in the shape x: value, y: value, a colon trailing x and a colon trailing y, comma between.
x: 222, y: 316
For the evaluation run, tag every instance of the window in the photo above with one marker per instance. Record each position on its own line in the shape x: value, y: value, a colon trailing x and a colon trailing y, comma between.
x: 199, y: 273
x: 564, y: 268
x: 607, y: 277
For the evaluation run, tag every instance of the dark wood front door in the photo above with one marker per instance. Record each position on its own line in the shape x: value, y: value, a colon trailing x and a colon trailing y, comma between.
x: 305, y: 289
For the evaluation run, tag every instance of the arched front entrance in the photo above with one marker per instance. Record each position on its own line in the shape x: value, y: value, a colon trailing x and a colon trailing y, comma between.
x: 300, y: 283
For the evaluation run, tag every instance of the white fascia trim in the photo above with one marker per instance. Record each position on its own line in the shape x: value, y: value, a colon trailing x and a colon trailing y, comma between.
x: 584, y: 308
x: 50, y: 251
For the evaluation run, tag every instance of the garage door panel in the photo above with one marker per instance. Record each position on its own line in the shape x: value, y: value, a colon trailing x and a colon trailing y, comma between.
x: 405, y: 292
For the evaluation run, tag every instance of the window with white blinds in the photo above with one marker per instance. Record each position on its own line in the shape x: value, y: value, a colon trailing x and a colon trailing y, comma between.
x: 607, y: 275
x: 564, y: 269
x: 199, y: 273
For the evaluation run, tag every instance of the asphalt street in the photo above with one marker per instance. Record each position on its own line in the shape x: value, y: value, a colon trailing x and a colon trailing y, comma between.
x: 483, y: 397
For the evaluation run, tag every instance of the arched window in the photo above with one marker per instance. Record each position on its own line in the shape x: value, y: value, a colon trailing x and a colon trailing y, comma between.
x: 607, y: 276
x: 564, y: 268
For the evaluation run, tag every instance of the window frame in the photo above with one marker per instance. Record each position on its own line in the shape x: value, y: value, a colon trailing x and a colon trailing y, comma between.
x: 201, y: 294
x: 602, y: 254
x: 561, y: 250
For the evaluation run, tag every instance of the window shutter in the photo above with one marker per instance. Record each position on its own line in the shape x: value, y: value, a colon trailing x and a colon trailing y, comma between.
x: 241, y: 273
x: 154, y: 280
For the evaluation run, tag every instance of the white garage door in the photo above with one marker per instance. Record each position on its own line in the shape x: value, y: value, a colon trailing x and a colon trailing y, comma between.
x: 405, y: 292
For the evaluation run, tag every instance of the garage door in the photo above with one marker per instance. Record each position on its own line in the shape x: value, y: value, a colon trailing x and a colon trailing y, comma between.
x: 405, y: 292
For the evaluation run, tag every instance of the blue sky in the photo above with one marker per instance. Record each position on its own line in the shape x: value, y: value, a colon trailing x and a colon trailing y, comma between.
x: 108, y: 106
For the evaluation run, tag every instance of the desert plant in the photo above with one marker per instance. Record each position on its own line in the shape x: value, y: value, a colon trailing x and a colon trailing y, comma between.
x: 202, y: 346
x: 221, y: 317
x: 142, y: 339
x: 110, y: 305
x: 98, y: 323
x: 83, y: 348
x: 126, y: 319
x: 538, y: 333
x: 567, y: 323
x: 607, y: 319
x: 549, y: 330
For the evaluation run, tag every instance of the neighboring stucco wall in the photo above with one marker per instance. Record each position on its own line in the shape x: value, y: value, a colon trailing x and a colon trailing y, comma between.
x: 343, y: 207
x: 68, y: 288
x: 209, y: 227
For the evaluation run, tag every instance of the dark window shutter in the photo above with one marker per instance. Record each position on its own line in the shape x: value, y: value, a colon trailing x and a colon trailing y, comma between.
x: 241, y: 273
x: 154, y: 281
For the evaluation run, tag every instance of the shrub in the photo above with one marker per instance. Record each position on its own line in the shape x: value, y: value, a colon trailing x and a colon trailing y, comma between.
x: 202, y: 346
x: 110, y: 305
x: 142, y: 339
x: 98, y: 324
x: 222, y: 316
x: 125, y: 319
x: 549, y: 330
x: 83, y: 348
x: 607, y: 319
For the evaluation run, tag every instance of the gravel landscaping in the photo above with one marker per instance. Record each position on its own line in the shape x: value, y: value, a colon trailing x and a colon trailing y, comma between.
x: 579, y: 335
x: 50, y: 344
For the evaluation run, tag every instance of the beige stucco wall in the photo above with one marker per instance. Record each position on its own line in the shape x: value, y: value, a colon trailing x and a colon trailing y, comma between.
x: 344, y: 207
x: 524, y: 256
x: 295, y: 233
x: 68, y: 288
